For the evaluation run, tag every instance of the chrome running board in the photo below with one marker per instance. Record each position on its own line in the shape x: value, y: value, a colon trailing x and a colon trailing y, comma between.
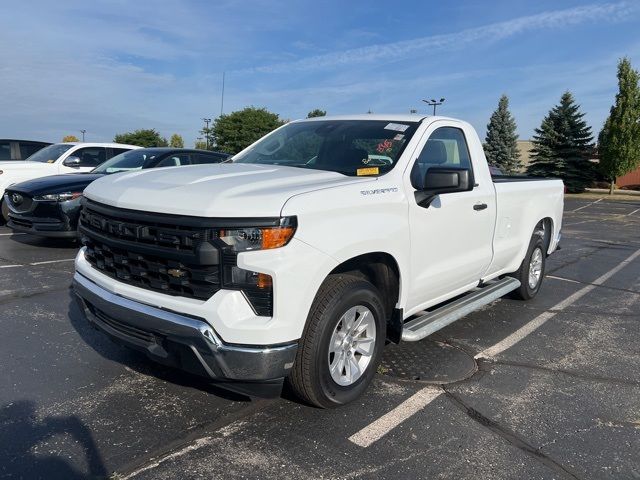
x: 423, y: 326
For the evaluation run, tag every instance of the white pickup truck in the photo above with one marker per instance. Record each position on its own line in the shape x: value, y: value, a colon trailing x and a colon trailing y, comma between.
x: 59, y: 158
x: 314, y: 246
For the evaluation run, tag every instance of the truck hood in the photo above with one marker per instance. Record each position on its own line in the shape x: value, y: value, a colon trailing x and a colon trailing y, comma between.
x: 219, y: 190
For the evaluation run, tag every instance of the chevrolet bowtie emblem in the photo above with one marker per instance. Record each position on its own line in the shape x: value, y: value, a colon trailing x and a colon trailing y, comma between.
x: 176, y: 273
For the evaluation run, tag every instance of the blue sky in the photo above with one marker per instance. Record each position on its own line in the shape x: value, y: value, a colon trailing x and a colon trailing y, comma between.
x: 114, y: 66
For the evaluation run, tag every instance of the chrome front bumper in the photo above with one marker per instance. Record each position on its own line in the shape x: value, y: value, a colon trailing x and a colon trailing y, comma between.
x: 184, y: 342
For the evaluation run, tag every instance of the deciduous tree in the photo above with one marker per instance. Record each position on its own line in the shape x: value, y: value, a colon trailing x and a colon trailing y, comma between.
x: 619, y: 140
x: 176, y: 141
x: 70, y: 138
x: 316, y: 113
x: 238, y: 130
x: 142, y: 138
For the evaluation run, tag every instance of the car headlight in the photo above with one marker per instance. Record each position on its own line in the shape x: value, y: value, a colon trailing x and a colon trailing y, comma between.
x: 58, y: 197
x: 258, y: 238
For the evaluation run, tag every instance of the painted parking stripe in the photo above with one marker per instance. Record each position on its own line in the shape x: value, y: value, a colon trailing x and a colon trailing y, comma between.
x: 378, y: 429
x: 587, y: 205
x: 33, y: 264
x: 52, y: 261
x: 541, y: 319
x: 636, y: 210
x: 561, y: 279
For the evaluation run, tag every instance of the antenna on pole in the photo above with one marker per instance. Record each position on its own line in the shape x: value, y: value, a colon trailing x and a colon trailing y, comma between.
x: 222, y: 96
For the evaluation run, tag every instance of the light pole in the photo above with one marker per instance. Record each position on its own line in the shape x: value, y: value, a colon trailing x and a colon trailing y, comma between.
x: 83, y: 132
x: 434, y: 104
x: 207, y: 121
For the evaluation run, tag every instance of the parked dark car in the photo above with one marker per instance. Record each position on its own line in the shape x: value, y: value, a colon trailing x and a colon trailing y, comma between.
x: 19, y: 149
x: 50, y: 206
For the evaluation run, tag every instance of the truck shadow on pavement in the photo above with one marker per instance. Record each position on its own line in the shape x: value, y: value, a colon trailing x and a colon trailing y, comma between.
x: 43, y: 242
x: 24, y: 436
x: 137, y: 361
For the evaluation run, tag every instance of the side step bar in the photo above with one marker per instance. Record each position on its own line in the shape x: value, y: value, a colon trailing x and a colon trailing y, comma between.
x: 423, y: 326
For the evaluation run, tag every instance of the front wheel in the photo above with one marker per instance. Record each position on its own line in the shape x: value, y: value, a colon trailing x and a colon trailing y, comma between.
x: 4, y: 212
x: 342, y: 343
x: 531, y: 271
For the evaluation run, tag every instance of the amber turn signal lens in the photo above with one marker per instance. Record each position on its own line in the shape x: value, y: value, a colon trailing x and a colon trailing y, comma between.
x: 264, y: 280
x: 276, y: 237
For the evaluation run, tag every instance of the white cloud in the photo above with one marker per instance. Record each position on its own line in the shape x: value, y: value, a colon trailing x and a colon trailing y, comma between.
x: 608, y: 12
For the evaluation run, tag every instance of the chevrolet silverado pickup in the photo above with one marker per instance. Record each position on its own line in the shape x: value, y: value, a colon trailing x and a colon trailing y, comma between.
x: 301, y: 257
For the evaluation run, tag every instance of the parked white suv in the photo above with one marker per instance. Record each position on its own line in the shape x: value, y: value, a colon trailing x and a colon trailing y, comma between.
x: 55, y: 159
x: 315, y: 246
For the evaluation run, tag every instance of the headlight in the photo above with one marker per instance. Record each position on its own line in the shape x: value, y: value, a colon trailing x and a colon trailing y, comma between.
x: 58, y: 197
x: 257, y: 238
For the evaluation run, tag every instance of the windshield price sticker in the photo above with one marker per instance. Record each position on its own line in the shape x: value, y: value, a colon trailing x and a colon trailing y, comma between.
x: 367, y: 171
x: 398, y: 127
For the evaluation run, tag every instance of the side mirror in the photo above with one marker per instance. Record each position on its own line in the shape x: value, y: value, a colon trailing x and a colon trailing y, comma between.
x: 71, y: 161
x: 442, y: 180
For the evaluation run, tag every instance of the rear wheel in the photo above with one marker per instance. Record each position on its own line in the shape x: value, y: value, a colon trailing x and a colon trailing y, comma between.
x: 342, y: 343
x: 531, y: 271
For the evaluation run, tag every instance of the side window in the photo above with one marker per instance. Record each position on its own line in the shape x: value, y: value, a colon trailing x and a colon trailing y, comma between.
x: 28, y: 149
x: 90, y: 156
x: 118, y: 151
x: 202, y: 158
x: 446, y: 147
x: 174, y: 161
x: 5, y: 151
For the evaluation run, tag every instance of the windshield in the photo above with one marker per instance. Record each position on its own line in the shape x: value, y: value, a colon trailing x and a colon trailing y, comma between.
x: 127, y: 161
x: 49, y: 154
x: 350, y: 147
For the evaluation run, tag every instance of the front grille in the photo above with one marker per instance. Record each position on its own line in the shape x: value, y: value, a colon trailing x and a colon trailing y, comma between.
x: 170, y: 254
x: 171, y: 236
x: 153, y: 272
x: 21, y: 222
x: 18, y: 202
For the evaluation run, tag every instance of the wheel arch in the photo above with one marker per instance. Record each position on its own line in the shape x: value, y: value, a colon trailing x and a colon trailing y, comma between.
x: 383, y: 271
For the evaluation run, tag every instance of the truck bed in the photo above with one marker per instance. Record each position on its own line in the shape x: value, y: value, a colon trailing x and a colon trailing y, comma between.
x: 517, y: 178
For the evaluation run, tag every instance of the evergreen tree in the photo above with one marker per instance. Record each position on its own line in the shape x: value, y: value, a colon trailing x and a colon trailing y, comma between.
x: 619, y: 140
x: 562, y: 146
x: 501, y: 147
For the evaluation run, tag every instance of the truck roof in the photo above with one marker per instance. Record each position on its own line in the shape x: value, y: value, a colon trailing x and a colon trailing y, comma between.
x: 391, y: 117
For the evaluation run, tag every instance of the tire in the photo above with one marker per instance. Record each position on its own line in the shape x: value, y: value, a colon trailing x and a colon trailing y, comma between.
x: 4, y: 212
x: 312, y: 379
x: 535, y: 257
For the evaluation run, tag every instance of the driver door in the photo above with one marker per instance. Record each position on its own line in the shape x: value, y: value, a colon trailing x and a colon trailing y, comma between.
x: 90, y: 158
x: 451, y: 239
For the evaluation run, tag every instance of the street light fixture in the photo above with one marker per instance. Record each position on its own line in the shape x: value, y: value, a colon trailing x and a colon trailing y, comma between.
x: 83, y: 132
x: 434, y: 103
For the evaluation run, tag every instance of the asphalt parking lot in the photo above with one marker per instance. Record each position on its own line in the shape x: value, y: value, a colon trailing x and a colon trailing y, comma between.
x: 544, y: 389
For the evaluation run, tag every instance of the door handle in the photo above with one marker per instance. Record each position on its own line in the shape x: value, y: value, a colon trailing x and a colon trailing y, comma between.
x: 479, y: 206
